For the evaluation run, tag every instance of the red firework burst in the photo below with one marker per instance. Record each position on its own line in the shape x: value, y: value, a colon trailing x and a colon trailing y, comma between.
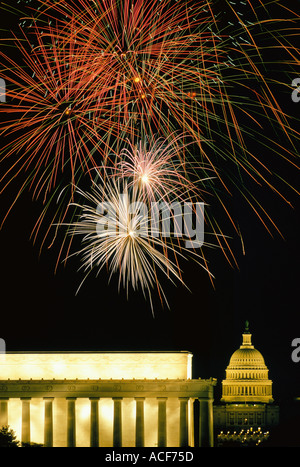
x: 145, y: 57
x: 168, y: 66
x: 57, y: 123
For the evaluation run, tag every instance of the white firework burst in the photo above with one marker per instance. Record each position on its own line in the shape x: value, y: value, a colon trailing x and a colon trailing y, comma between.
x: 114, y: 224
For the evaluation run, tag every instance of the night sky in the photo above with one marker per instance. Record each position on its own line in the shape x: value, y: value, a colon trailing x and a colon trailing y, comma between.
x: 40, y: 311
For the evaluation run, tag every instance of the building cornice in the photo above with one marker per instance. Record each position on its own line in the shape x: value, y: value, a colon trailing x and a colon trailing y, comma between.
x: 107, y: 388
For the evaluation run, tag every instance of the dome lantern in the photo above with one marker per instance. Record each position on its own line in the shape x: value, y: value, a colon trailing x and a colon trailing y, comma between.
x: 247, y: 337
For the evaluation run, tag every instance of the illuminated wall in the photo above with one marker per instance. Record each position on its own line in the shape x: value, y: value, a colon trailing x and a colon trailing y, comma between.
x: 91, y: 365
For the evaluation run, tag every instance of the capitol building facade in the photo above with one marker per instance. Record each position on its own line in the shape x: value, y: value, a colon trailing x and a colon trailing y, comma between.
x: 247, y: 399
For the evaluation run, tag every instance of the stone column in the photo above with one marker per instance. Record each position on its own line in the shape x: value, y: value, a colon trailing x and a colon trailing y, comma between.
x: 25, y: 419
x: 117, y: 427
x: 94, y: 440
x: 71, y: 422
x: 183, y: 427
x: 191, y: 422
x: 206, y: 438
x: 162, y: 422
x: 48, y: 423
x: 139, y: 422
x: 4, y: 411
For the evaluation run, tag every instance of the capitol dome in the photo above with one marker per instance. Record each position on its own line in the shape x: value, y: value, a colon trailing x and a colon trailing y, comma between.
x: 247, y: 375
x: 247, y: 357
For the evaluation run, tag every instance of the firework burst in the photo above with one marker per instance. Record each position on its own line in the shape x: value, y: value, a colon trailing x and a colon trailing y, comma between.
x: 125, y: 240
x: 56, y: 123
x: 156, y: 167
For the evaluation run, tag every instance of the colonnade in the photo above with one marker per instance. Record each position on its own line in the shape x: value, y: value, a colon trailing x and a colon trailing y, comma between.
x: 185, y: 421
x: 250, y: 390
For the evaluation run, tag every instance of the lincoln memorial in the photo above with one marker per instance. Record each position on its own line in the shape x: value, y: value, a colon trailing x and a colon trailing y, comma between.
x: 105, y: 399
